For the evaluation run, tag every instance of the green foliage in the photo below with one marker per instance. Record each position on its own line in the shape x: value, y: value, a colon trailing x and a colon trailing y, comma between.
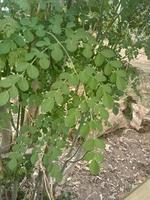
x: 4, y: 98
x: 68, y: 63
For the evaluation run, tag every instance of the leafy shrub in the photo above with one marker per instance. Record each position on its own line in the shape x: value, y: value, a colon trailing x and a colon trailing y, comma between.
x: 61, y: 60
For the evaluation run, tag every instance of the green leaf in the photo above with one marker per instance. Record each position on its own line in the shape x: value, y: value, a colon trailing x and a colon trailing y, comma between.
x: 87, y: 52
x: 4, y: 48
x: 89, y: 145
x: 98, y: 157
x: 2, y: 63
x: 93, y: 125
x: 108, y: 53
x: 121, y: 83
x: 20, y: 41
x: 4, y: 98
x: 40, y: 32
x: 29, y: 56
x: 47, y: 105
x: 99, y: 60
x: 96, y: 125
x: 13, y: 92
x: 58, y: 98
x: 103, y: 113
x: 32, y: 71
x: 21, y: 67
x: 100, y: 77
x: 34, y: 158
x: 84, y: 107
x: 23, y: 4
x: 64, y: 88
x: 99, y: 92
x: 92, y: 83
x: 83, y: 76
x: 91, y: 102
x: 70, y: 120
x: 44, y: 63
x: 121, y: 73
x: 99, y: 143
x: 107, y: 100
x: 23, y: 84
x: 73, y: 80
x: 89, y: 156
x: 12, y: 164
x: 80, y: 33
x: 55, y: 153
x: 107, y: 88
x: 57, y: 53
x: 71, y: 45
x: 9, y: 81
x: 84, y: 130
x: 94, y: 167
x: 56, y: 28
x: 41, y: 44
x: 56, y: 172
x: 64, y: 76
x: 108, y: 69
x: 113, y: 78
x: 116, y: 63
x: 28, y: 35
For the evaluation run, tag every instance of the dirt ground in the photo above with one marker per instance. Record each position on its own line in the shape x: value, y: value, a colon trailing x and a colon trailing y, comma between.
x: 126, y: 164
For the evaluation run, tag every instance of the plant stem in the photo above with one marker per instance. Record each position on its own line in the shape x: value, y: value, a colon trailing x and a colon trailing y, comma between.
x: 114, y: 18
x: 22, y: 116
x: 14, y: 190
x: 18, y: 120
x: 66, y: 52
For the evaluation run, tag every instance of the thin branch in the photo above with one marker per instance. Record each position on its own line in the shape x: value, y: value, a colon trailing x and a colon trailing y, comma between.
x: 75, y: 161
x: 18, y: 120
x: 46, y: 187
x: 101, y: 15
x: 66, y: 52
x: 37, y: 57
x: 12, y: 121
x: 47, y: 184
x: 70, y: 167
x: 114, y: 18
x: 69, y: 160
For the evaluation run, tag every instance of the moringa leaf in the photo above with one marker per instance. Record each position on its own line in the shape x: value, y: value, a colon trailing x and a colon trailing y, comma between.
x: 4, y: 98
x: 23, y: 84
x: 32, y: 71
x: 57, y: 53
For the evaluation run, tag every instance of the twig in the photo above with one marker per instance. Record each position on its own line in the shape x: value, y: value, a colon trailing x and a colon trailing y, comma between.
x: 69, y: 160
x: 66, y: 52
x: 90, y: 195
x: 45, y: 183
x: 12, y: 121
x: 75, y: 161
x: 37, y: 57
x: 114, y: 17
x: 18, y: 120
